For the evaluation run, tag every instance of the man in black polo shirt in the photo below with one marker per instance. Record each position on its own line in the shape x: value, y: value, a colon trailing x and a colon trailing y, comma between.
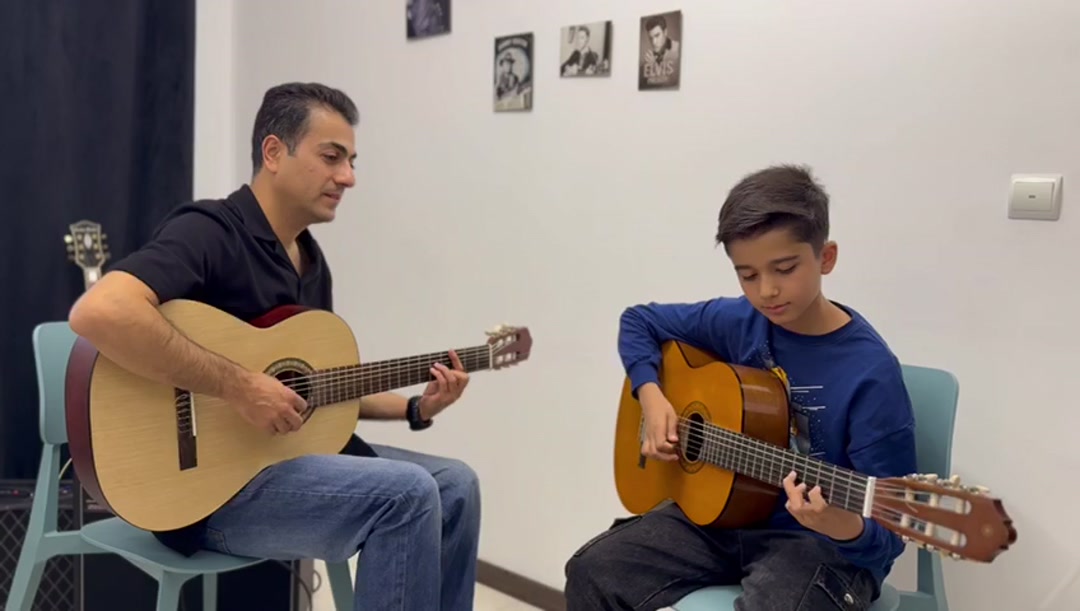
x: 416, y: 517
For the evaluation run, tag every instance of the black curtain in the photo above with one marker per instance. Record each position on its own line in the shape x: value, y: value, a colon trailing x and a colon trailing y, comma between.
x: 97, y: 102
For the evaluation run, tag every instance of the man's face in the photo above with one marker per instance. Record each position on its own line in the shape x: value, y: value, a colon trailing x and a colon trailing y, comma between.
x: 582, y: 40
x: 658, y: 37
x: 313, y: 179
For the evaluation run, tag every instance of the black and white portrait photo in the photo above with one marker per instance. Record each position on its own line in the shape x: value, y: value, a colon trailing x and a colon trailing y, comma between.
x: 425, y: 18
x: 661, y: 51
x: 513, y: 72
x: 585, y: 50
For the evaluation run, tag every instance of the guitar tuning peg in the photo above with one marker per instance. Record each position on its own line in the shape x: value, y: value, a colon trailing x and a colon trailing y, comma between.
x: 954, y: 556
x: 931, y: 477
x: 905, y: 538
x: 68, y: 239
x: 979, y: 489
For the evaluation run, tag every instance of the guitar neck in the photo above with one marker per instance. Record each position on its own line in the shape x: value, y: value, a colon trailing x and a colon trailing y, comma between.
x: 770, y: 464
x: 90, y: 276
x: 355, y: 381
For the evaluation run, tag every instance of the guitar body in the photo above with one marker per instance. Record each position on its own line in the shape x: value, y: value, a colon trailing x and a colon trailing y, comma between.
x: 126, y: 433
x: 702, y: 388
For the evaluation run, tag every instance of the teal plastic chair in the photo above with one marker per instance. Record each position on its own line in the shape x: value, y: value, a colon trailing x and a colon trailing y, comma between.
x: 934, y: 396
x: 52, y: 346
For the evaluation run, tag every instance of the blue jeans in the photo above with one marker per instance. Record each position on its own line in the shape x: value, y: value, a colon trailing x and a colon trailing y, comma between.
x: 649, y: 562
x: 415, y: 517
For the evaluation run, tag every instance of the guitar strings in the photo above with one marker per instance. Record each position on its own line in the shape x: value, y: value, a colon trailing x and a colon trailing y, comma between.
x: 877, y: 508
x: 764, y: 459
x: 366, y: 372
x: 755, y: 449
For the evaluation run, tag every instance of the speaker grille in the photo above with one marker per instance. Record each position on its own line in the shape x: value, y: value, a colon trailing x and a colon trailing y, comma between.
x: 58, y: 590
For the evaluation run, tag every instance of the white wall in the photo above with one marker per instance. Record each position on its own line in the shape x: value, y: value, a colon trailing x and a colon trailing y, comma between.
x: 914, y: 114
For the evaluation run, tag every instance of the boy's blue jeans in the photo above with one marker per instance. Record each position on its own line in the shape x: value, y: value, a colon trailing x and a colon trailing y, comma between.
x: 650, y: 562
x: 414, y: 517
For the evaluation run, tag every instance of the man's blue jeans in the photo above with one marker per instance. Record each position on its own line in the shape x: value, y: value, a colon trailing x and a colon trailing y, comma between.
x: 415, y: 517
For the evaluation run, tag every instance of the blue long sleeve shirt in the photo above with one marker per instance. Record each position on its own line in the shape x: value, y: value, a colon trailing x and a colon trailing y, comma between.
x: 849, y: 405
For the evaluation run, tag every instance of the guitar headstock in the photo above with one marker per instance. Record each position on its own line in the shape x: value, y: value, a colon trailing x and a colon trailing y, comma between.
x: 86, y: 245
x: 962, y: 522
x: 508, y: 345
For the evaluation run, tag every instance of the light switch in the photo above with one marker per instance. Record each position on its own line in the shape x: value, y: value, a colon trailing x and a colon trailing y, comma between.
x: 1035, y: 196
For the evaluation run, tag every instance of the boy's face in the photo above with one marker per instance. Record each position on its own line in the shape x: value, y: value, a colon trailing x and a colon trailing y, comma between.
x: 780, y: 275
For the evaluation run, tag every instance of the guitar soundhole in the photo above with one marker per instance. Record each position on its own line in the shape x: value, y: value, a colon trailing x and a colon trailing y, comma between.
x: 296, y: 375
x: 695, y: 438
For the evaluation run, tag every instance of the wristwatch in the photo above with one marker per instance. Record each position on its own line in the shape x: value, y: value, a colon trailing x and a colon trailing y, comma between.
x: 412, y: 414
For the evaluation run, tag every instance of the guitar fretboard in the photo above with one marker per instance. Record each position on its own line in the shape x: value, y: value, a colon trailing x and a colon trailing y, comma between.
x: 335, y: 385
x: 768, y: 463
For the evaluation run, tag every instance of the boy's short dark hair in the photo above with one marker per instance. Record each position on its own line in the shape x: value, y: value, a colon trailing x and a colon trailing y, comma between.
x: 285, y: 110
x: 782, y: 196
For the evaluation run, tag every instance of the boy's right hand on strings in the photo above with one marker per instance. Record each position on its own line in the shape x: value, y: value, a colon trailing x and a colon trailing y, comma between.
x: 661, y: 424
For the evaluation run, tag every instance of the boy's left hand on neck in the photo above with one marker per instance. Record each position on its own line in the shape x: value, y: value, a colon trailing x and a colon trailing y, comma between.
x: 811, y: 510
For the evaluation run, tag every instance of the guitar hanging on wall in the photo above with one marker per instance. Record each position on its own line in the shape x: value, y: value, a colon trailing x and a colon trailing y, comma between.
x: 87, y: 248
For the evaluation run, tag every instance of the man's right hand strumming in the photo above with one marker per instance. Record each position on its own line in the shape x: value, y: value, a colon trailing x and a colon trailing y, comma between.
x: 267, y: 404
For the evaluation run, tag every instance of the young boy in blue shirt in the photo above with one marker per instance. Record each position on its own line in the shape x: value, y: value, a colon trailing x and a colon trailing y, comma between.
x: 849, y: 407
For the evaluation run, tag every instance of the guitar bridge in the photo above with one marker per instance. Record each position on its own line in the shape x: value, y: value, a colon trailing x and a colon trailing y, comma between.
x: 186, y: 430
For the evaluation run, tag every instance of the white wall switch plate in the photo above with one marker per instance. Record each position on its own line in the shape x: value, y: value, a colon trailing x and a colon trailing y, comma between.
x: 1035, y: 196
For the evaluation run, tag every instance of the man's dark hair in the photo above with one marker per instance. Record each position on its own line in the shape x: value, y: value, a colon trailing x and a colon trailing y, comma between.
x: 656, y: 21
x: 783, y: 196
x: 285, y: 111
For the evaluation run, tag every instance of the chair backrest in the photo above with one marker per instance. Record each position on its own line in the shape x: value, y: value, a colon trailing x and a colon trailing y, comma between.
x: 934, y: 396
x: 52, y: 347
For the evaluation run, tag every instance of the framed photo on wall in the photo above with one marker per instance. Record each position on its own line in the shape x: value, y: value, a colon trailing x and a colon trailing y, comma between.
x: 585, y: 50
x: 513, y: 72
x: 424, y: 18
x: 660, y: 63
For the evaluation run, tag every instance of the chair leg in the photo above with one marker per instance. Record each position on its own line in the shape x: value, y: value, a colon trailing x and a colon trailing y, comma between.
x: 24, y: 585
x: 169, y: 587
x: 341, y: 585
x: 209, y: 591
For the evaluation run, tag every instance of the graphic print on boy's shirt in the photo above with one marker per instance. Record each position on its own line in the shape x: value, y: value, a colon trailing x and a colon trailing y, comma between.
x: 802, y: 402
